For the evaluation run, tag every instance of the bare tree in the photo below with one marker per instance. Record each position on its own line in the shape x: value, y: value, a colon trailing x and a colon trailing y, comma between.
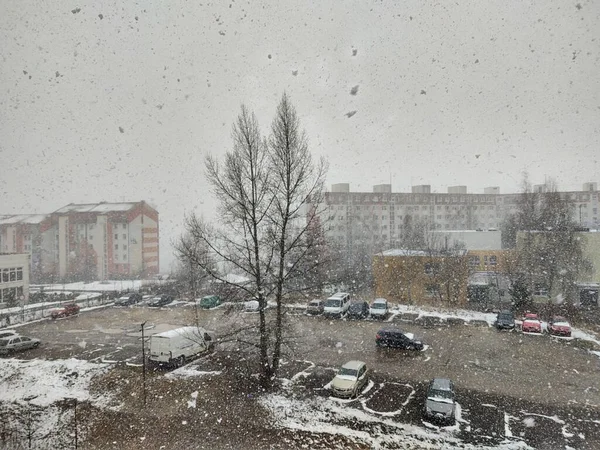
x: 549, y: 253
x: 263, y: 189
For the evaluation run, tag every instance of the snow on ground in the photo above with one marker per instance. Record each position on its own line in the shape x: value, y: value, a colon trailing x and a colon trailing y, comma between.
x: 191, y: 370
x: 323, y: 415
x: 463, y: 314
x: 42, y: 383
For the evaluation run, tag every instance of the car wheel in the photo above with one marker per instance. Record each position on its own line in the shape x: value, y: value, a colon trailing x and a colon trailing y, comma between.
x: 181, y: 361
x: 36, y: 345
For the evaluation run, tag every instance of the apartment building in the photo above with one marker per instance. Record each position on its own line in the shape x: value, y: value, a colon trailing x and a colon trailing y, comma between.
x: 14, y: 278
x: 87, y: 241
x: 376, y: 217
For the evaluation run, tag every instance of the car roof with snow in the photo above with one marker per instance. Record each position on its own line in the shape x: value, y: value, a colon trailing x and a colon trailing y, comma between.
x: 353, y: 365
x: 442, y: 384
x: 338, y: 296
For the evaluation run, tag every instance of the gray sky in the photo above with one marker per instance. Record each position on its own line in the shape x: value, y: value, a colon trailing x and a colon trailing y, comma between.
x: 466, y: 93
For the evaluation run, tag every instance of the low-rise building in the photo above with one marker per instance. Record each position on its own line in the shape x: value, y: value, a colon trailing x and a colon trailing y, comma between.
x: 14, y: 278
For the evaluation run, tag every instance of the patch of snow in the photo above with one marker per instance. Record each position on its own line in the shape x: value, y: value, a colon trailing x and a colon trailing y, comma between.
x: 529, y: 422
x: 192, y: 403
x: 488, y: 405
x: 190, y: 371
x: 553, y: 418
x: 42, y: 383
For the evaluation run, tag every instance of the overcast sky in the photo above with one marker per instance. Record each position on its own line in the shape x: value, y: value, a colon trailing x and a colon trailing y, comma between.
x: 121, y: 101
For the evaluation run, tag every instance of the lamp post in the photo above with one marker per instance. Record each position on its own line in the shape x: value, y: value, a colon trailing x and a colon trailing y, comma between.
x: 144, y: 363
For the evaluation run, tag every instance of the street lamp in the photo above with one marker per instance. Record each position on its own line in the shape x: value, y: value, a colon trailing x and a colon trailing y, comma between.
x: 144, y: 363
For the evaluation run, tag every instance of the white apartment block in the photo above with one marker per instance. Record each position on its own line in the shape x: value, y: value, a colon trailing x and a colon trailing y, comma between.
x: 352, y: 217
x: 14, y: 277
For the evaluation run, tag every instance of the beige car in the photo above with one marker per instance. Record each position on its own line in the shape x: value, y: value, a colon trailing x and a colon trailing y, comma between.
x: 350, y: 380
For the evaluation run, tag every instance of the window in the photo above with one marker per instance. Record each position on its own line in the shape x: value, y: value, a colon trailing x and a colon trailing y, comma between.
x: 116, y: 246
x: 431, y: 268
x: 124, y: 226
x: 474, y: 261
x: 19, y: 273
x: 431, y: 290
x: 124, y: 236
x: 124, y: 247
x: 116, y: 236
x: 13, y: 274
x: 493, y: 260
x: 90, y: 237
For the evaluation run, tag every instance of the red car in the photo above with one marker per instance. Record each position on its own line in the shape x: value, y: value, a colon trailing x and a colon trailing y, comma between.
x: 66, y: 310
x: 559, y: 326
x: 531, y: 324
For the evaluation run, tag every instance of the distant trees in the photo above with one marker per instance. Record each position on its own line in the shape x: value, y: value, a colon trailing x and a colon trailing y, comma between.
x: 264, y: 232
x: 549, y: 253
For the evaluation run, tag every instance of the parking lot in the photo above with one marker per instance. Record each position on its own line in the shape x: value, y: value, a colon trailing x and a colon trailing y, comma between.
x: 509, y: 385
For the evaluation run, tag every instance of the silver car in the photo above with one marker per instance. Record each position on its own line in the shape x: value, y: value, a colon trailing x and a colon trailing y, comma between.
x: 17, y: 343
x: 440, y: 404
x: 350, y: 380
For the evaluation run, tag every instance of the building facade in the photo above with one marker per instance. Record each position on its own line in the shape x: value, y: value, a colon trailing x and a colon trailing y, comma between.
x: 87, y: 241
x: 378, y: 216
x: 14, y: 278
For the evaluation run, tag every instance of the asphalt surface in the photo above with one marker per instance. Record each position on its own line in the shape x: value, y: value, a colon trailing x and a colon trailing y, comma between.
x: 537, y: 389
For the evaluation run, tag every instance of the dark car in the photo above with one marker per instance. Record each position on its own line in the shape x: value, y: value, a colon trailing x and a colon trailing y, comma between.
x: 439, y: 402
x: 65, y: 311
x: 396, y: 338
x: 128, y: 299
x: 160, y: 300
x: 505, y: 320
x: 358, y: 310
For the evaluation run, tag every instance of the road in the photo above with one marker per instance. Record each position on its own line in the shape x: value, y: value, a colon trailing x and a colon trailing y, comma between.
x: 510, y: 386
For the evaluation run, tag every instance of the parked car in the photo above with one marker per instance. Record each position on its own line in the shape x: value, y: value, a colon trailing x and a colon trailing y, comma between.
x: 17, y: 343
x: 8, y: 333
x: 160, y: 300
x: 173, y: 347
x: 440, y: 404
x: 251, y: 305
x: 396, y: 338
x: 559, y: 326
x: 350, y: 380
x: 358, y: 310
x: 128, y: 299
x: 337, y: 304
x: 379, y: 308
x: 531, y: 324
x: 505, y: 320
x: 67, y: 310
x: 209, y: 301
x: 315, y: 307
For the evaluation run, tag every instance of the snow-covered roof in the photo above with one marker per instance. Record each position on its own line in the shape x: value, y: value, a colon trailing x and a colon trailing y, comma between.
x: 96, y: 207
x: 405, y: 252
x: 22, y: 218
x: 189, y: 332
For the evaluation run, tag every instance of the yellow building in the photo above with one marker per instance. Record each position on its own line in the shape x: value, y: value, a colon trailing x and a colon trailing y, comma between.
x: 489, y: 260
x: 419, y: 277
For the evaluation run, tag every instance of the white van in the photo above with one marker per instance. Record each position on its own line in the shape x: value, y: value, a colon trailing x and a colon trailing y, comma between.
x: 175, y: 346
x: 379, y: 308
x: 337, y: 304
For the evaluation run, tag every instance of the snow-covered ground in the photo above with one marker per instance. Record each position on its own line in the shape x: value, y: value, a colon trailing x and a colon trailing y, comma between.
x: 41, y: 395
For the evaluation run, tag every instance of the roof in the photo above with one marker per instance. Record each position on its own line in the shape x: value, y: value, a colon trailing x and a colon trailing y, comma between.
x: 33, y: 219
x: 338, y: 295
x: 354, y: 364
x: 189, y: 332
x: 443, y: 384
x: 405, y: 252
x: 101, y: 207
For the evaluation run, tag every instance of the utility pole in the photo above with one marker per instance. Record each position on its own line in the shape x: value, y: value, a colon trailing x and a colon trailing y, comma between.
x: 144, y: 363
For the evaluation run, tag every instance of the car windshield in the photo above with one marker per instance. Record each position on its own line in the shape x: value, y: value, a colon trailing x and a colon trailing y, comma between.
x: 357, y: 306
x: 378, y: 306
x: 344, y: 371
x: 506, y: 316
x: 333, y: 303
x: 315, y: 303
x: 439, y: 394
